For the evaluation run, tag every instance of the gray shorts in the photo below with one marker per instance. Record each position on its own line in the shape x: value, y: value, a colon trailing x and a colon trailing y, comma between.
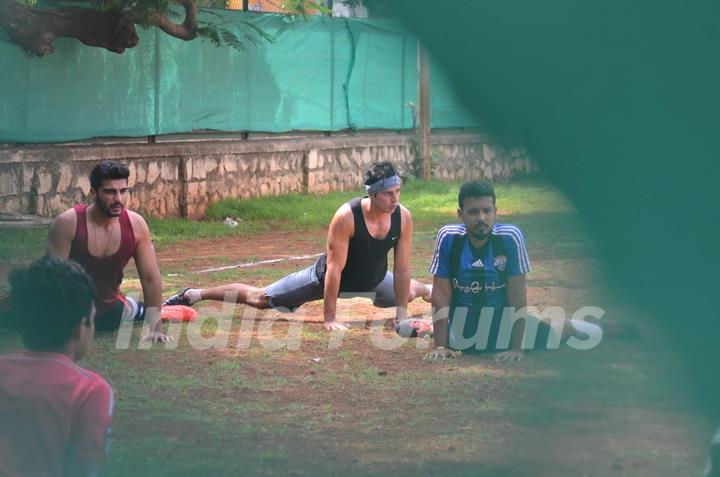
x: 289, y: 293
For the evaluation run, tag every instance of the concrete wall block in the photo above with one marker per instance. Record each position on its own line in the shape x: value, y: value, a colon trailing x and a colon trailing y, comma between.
x: 202, y: 189
x: 153, y: 172
x: 8, y: 184
x: 273, y: 165
x: 66, y: 175
x: 132, y: 178
x: 343, y: 161
x: 28, y: 172
x: 230, y: 164
x: 10, y: 203
x: 169, y: 170
x: 488, y: 153
x: 140, y: 172
x: 45, y: 181
x: 254, y: 165
x: 314, y: 159
x: 497, y: 168
x: 211, y: 164
x: 193, y: 190
x: 198, y: 170
x: 365, y: 158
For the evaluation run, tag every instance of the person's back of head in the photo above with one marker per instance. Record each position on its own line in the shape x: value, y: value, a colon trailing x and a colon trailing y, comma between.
x: 49, y: 300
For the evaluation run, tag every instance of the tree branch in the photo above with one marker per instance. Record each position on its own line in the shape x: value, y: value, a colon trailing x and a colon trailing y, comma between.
x: 185, y: 31
x: 35, y: 29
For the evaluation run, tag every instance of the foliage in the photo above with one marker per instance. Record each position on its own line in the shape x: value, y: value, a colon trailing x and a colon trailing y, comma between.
x: 112, y: 22
x: 218, y: 33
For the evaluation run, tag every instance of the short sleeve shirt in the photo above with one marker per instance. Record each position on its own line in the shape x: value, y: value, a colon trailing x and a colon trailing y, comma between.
x: 52, y: 412
x: 480, y: 278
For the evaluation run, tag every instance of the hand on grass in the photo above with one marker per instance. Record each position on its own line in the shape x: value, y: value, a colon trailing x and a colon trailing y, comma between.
x: 441, y: 354
x: 334, y: 326
x: 509, y: 356
x: 157, y: 337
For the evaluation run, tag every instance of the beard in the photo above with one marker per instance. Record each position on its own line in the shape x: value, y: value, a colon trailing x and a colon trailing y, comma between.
x: 113, y: 210
x: 479, y: 232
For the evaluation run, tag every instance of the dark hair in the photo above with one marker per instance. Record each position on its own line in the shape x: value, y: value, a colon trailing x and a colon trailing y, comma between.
x: 48, y: 300
x: 379, y: 170
x: 107, y: 170
x: 475, y: 189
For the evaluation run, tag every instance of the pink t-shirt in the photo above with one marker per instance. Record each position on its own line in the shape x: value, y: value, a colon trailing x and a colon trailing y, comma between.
x: 52, y: 412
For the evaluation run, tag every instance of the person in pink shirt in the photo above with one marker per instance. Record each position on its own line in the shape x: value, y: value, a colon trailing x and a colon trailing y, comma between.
x: 54, y: 415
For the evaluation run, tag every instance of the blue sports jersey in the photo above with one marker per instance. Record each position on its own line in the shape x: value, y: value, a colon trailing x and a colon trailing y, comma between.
x: 478, y: 280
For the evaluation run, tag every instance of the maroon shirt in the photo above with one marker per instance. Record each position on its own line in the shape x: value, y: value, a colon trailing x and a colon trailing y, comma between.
x: 106, y: 272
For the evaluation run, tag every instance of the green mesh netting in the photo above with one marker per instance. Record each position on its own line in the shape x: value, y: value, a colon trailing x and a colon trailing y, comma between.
x: 322, y: 73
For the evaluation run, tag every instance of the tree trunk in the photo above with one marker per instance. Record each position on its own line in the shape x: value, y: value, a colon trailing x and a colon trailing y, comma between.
x: 35, y: 29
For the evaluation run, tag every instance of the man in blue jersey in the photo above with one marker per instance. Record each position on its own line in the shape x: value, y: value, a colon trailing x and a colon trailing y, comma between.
x: 479, y: 295
x: 477, y: 264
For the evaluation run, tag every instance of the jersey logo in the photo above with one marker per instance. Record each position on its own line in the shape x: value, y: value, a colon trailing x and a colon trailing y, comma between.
x: 500, y: 262
x: 477, y: 287
x: 394, y: 238
x: 478, y: 264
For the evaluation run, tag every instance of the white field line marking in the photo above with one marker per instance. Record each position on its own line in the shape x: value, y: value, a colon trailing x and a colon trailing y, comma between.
x: 261, y: 262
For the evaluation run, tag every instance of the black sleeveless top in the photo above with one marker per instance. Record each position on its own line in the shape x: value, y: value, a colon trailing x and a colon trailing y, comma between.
x: 366, y: 263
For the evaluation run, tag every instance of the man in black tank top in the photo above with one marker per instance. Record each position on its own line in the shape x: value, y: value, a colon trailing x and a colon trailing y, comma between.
x: 361, y: 234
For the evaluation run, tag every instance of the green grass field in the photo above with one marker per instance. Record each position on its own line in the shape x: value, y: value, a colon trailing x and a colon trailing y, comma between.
x: 246, y: 405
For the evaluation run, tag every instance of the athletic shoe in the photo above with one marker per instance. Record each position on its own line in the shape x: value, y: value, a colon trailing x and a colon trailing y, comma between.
x: 178, y: 299
x: 415, y: 328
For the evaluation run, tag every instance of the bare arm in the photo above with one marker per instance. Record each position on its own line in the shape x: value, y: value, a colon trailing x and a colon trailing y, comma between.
x: 149, y: 274
x: 61, y: 234
x: 441, y: 296
x: 339, y: 233
x: 401, y: 267
x: 517, y: 299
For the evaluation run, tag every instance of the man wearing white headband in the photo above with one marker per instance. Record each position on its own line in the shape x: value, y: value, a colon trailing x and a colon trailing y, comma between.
x: 361, y: 234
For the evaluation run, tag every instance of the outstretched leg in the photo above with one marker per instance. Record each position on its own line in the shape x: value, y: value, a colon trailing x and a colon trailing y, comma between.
x: 288, y: 293
x: 237, y: 292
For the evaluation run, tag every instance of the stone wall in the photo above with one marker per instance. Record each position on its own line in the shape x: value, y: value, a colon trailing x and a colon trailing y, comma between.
x: 181, y: 178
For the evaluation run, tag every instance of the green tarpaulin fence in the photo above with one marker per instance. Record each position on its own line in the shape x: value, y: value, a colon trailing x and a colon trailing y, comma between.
x: 324, y: 74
